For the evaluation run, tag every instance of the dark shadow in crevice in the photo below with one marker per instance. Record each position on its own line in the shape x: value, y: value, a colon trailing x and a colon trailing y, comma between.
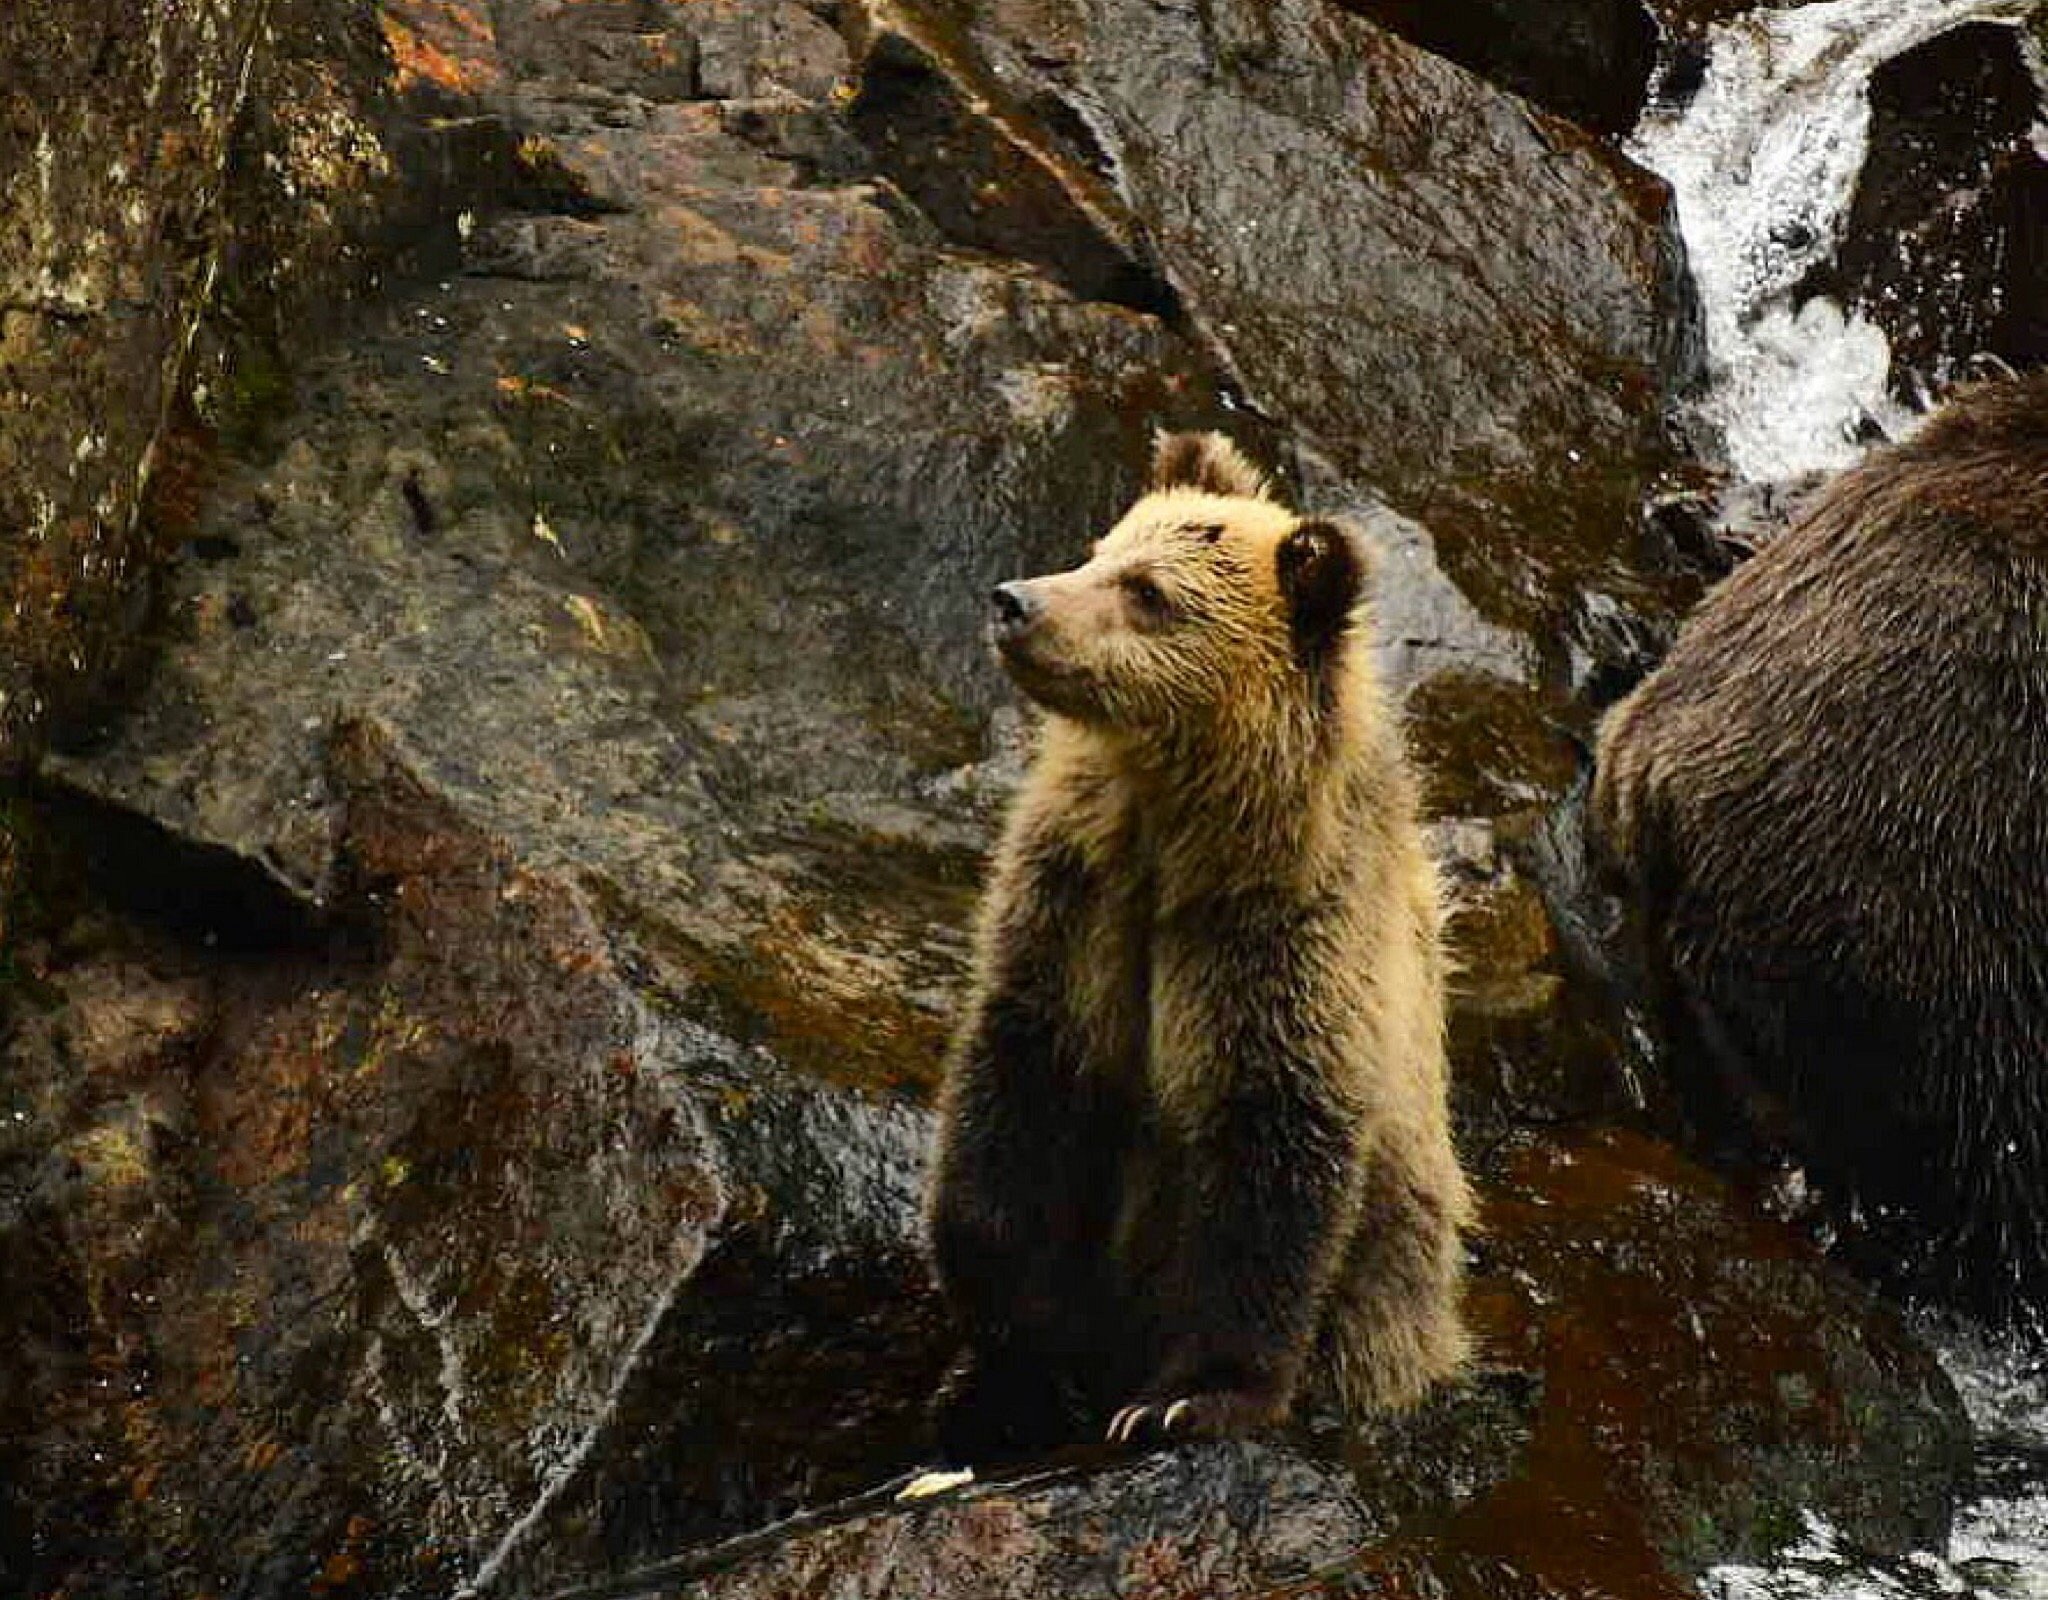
x: 197, y: 892
x: 981, y: 179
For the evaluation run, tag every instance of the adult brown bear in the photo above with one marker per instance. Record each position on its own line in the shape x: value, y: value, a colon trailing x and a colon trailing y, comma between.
x: 1831, y: 805
x: 1194, y: 1129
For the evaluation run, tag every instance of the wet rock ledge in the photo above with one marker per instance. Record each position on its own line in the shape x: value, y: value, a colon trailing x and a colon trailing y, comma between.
x: 1663, y: 1380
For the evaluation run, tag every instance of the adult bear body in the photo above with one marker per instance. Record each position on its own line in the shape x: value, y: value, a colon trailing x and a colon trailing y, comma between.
x: 1831, y: 806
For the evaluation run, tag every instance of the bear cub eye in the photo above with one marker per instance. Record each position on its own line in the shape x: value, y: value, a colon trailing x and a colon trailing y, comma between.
x: 1149, y: 600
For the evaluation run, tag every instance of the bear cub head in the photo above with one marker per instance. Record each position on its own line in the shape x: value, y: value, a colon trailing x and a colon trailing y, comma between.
x: 1207, y: 598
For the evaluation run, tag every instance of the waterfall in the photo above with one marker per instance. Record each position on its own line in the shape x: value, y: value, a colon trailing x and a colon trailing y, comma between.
x: 1763, y: 161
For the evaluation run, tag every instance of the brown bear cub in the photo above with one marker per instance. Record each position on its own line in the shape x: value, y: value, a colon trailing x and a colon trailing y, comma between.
x: 1194, y: 1135
x: 1831, y: 807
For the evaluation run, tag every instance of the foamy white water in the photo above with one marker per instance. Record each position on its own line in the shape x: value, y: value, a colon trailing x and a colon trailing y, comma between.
x: 1763, y: 161
x: 1998, y: 1548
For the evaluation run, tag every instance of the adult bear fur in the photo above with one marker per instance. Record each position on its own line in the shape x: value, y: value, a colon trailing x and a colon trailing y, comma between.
x: 1194, y: 1132
x: 1831, y: 807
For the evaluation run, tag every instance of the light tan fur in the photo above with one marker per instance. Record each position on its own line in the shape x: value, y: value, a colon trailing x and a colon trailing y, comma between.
x: 1191, y: 768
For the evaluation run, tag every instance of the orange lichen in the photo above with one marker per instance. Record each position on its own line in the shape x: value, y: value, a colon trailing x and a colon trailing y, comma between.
x: 182, y: 468
x: 514, y: 387
x: 422, y: 58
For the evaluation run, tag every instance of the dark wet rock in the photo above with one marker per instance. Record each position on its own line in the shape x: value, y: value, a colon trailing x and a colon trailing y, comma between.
x: 364, y: 155
x: 1449, y: 296
x: 623, y: 49
x: 984, y: 174
x: 1727, y: 1381
x: 766, y: 1391
x: 648, y: 50
x: 359, y: 1241
x: 1715, y: 530
x: 1540, y: 1031
x: 328, y: 187
x: 747, y: 50
x: 1665, y: 1381
x: 371, y: 1230
x: 113, y: 139
x: 1424, y: 627
x: 794, y: 1369
x: 1946, y: 243
x: 1589, y: 60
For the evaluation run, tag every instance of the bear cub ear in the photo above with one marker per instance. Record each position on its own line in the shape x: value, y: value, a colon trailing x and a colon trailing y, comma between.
x: 1323, y: 569
x: 1205, y: 461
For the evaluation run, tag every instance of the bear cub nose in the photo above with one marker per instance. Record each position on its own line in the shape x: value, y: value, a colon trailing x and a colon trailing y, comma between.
x: 1011, y: 608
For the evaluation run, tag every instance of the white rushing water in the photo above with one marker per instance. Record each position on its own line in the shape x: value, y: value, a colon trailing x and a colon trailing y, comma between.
x: 1998, y: 1548
x: 1763, y: 160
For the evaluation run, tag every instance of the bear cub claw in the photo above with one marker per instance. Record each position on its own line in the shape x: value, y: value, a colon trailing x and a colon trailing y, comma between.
x: 1217, y: 1414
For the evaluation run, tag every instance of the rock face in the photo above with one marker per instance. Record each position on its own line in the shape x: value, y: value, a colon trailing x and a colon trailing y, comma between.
x: 644, y: 504
x: 1589, y: 61
x: 113, y: 134
x: 1946, y: 242
x: 472, y: 1005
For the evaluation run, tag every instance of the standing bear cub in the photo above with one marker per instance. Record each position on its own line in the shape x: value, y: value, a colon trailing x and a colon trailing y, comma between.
x: 1194, y: 1136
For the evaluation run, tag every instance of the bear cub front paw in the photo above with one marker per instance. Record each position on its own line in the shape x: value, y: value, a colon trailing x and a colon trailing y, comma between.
x: 1211, y: 1414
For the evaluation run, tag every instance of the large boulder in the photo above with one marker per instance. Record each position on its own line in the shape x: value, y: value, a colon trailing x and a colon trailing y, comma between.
x: 365, y: 1224
x: 1665, y: 1381
x: 1218, y: 1519
x: 1945, y: 246
x: 661, y: 542
x: 357, y: 1242
x: 1328, y: 204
